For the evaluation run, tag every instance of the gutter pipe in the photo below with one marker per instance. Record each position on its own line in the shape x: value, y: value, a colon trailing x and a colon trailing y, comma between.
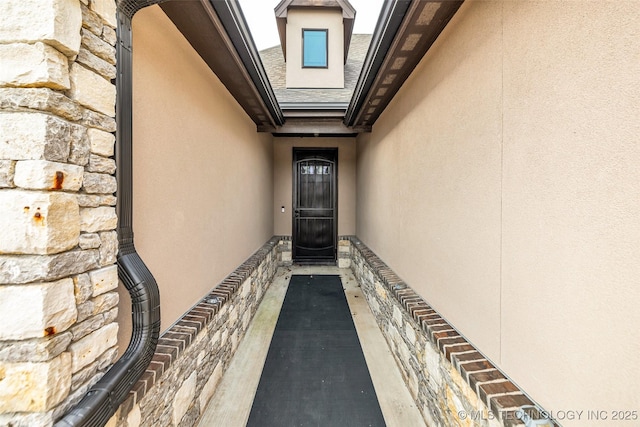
x: 103, y: 399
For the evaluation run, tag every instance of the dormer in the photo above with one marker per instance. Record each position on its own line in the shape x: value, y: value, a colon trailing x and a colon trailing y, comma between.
x: 315, y: 37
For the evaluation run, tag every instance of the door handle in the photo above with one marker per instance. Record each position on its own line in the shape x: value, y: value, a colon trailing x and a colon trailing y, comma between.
x: 296, y: 213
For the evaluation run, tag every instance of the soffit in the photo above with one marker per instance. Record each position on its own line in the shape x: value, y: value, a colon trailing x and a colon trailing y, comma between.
x: 386, y: 71
x: 220, y: 38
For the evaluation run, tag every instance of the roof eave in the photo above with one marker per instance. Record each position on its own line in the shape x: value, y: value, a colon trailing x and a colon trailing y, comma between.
x: 218, y: 31
x: 394, y: 53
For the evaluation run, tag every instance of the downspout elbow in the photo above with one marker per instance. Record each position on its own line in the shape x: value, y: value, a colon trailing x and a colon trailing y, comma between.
x: 103, y: 399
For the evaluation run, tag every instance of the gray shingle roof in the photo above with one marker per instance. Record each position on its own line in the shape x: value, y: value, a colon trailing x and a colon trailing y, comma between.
x: 275, y: 67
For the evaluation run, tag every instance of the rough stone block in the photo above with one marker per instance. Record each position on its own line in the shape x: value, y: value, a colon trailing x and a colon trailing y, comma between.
x: 54, y: 22
x: 97, y: 120
x: 7, y: 172
x: 98, y: 47
x: 397, y: 315
x: 184, y: 398
x: 74, y: 397
x: 83, y: 289
x: 381, y: 292
x: 108, y: 247
x: 46, y: 175
x: 102, y: 143
x: 24, y: 419
x: 111, y: 315
x: 92, y: 90
x: 34, y: 350
x: 91, y: 20
x: 89, y: 348
x: 102, y: 218
x: 113, y: 421
x: 134, y: 418
x: 89, y: 241
x: 94, y: 63
x: 34, y: 387
x: 105, y: 302
x: 410, y: 333
x: 33, y: 65
x: 344, y: 263
x: 80, y: 148
x: 40, y: 99
x: 31, y: 268
x: 93, y: 201
x: 85, y: 310
x: 83, y: 376
x: 210, y: 386
x: 104, y: 280
x: 99, y: 183
x: 38, y: 310
x: 34, y: 136
x: 108, y: 358
x: 38, y: 223
x: 84, y: 328
x: 403, y: 352
x: 109, y: 35
x: 107, y: 11
x: 246, y: 319
x: 101, y: 164
x: 245, y: 289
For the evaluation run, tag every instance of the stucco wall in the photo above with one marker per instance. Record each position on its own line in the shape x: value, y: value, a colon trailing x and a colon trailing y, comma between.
x: 283, y: 181
x: 202, y: 174
x: 502, y: 184
x: 331, y: 20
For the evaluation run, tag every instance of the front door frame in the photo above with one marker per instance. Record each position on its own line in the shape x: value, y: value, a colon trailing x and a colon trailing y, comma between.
x: 333, y: 153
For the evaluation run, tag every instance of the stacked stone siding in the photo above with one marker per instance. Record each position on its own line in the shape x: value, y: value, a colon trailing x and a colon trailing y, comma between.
x: 285, y: 250
x: 58, y: 242
x: 452, y: 383
x: 344, y: 252
x: 193, y: 354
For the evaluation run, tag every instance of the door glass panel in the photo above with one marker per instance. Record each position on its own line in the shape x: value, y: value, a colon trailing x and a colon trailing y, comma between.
x: 315, y: 183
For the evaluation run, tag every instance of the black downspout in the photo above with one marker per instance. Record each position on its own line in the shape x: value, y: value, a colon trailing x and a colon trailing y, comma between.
x: 102, y: 401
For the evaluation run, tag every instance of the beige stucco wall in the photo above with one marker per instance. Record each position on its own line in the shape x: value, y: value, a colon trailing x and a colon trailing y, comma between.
x: 202, y: 174
x: 311, y: 18
x: 283, y: 181
x: 502, y: 183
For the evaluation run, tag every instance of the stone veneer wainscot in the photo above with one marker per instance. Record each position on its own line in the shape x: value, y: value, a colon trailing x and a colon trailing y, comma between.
x: 193, y: 354
x: 452, y: 383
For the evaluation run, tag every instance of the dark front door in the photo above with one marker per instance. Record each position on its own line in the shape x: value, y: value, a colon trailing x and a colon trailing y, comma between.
x: 314, y: 204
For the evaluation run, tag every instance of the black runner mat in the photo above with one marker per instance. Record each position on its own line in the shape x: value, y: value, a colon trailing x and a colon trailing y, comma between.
x: 315, y: 373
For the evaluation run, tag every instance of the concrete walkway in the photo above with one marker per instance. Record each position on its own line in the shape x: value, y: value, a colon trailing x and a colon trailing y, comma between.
x: 231, y: 405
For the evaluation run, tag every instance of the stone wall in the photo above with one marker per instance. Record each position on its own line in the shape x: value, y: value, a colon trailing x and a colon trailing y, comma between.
x: 58, y: 241
x: 452, y: 383
x: 193, y: 354
x: 285, y: 250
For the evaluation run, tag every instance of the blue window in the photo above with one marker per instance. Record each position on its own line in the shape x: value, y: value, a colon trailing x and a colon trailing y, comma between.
x: 314, y: 48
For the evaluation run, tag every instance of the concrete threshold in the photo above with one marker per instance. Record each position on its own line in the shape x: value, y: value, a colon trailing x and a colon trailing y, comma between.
x: 231, y: 404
